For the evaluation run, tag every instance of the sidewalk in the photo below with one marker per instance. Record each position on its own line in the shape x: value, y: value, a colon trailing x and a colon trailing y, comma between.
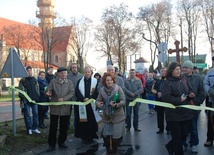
x: 146, y: 142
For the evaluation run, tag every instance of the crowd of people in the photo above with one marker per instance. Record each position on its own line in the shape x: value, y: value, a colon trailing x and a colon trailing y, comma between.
x: 178, y: 84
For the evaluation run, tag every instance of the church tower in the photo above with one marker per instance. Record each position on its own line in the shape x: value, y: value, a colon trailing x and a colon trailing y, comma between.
x: 46, y: 14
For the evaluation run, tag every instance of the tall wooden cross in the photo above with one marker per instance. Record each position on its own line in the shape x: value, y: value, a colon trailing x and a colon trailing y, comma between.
x: 177, y: 50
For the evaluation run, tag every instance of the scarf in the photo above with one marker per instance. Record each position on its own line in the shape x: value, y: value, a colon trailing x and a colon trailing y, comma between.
x: 82, y: 108
x: 82, y: 85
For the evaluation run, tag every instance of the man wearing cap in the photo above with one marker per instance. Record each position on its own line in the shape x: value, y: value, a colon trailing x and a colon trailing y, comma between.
x: 198, y: 88
x: 209, y: 81
x: 31, y: 87
x: 60, y: 89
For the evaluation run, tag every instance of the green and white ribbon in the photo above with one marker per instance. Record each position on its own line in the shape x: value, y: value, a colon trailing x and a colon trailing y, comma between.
x: 161, y: 104
x: 50, y: 103
x: 169, y: 105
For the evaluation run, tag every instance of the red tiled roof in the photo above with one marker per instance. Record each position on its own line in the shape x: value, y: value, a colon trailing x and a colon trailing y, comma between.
x: 37, y: 64
x: 60, y: 38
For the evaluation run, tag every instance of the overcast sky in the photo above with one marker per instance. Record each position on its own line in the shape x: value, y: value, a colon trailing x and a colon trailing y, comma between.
x: 23, y: 10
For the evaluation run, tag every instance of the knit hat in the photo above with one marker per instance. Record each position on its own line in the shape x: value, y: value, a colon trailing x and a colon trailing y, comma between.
x: 188, y: 64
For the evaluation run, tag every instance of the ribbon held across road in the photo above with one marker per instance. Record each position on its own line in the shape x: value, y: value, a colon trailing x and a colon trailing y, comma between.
x: 169, y: 105
x: 157, y: 103
x: 50, y: 103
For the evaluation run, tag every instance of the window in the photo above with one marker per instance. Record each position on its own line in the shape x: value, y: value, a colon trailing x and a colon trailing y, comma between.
x: 32, y: 57
x: 56, y: 59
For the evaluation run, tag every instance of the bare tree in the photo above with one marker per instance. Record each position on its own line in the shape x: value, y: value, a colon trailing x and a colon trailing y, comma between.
x: 51, y: 40
x: 80, y: 38
x: 156, y: 25
x: 18, y: 36
x: 117, y: 35
x: 189, y: 11
x: 208, y: 15
x: 104, y: 40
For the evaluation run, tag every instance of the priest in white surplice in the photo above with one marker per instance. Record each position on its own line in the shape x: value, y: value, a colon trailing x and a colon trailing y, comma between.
x: 86, y: 125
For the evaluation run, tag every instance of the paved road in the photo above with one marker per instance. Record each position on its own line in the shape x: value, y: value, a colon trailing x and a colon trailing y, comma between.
x: 146, y: 142
x: 6, y: 111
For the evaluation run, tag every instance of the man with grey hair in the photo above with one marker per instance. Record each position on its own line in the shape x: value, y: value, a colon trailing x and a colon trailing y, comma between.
x: 119, y: 80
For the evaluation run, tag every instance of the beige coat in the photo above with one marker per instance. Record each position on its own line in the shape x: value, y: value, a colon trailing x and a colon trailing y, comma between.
x: 119, y: 114
x: 63, y: 90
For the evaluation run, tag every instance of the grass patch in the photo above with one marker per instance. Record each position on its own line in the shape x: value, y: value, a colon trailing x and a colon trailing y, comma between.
x: 8, y: 97
x: 22, y: 142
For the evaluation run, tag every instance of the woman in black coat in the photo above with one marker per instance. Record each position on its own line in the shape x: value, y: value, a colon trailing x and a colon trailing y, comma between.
x: 43, y: 98
x: 177, y: 91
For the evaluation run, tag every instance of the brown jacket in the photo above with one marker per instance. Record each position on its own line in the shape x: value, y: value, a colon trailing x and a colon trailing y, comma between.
x: 119, y: 115
x: 63, y: 90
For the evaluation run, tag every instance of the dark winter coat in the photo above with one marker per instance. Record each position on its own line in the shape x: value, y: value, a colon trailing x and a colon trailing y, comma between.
x: 49, y: 77
x: 198, y: 88
x: 157, y: 87
x: 31, y: 87
x: 43, y: 98
x: 172, y: 90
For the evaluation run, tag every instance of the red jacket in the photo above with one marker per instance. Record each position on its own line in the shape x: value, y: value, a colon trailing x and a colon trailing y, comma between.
x: 141, y: 77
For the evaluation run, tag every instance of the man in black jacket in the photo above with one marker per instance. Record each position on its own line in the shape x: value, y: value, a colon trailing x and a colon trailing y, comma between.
x: 156, y: 89
x: 30, y: 86
x: 198, y: 88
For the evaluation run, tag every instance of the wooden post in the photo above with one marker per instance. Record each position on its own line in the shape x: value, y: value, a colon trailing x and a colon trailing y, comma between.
x: 177, y: 50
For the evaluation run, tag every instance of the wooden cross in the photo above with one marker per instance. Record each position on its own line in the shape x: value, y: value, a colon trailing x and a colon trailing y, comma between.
x: 177, y: 50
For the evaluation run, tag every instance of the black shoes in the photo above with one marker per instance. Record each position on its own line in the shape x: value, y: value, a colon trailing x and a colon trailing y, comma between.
x: 42, y: 126
x: 169, y: 149
x: 87, y: 141
x: 51, y: 148
x: 127, y: 129
x: 208, y: 143
x: 159, y: 132
x: 63, y: 146
x: 137, y: 130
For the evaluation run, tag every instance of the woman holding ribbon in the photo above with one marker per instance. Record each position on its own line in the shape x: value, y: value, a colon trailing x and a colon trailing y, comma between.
x: 111, y: 99
x: 86, y: 126
x: 177, y: 91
